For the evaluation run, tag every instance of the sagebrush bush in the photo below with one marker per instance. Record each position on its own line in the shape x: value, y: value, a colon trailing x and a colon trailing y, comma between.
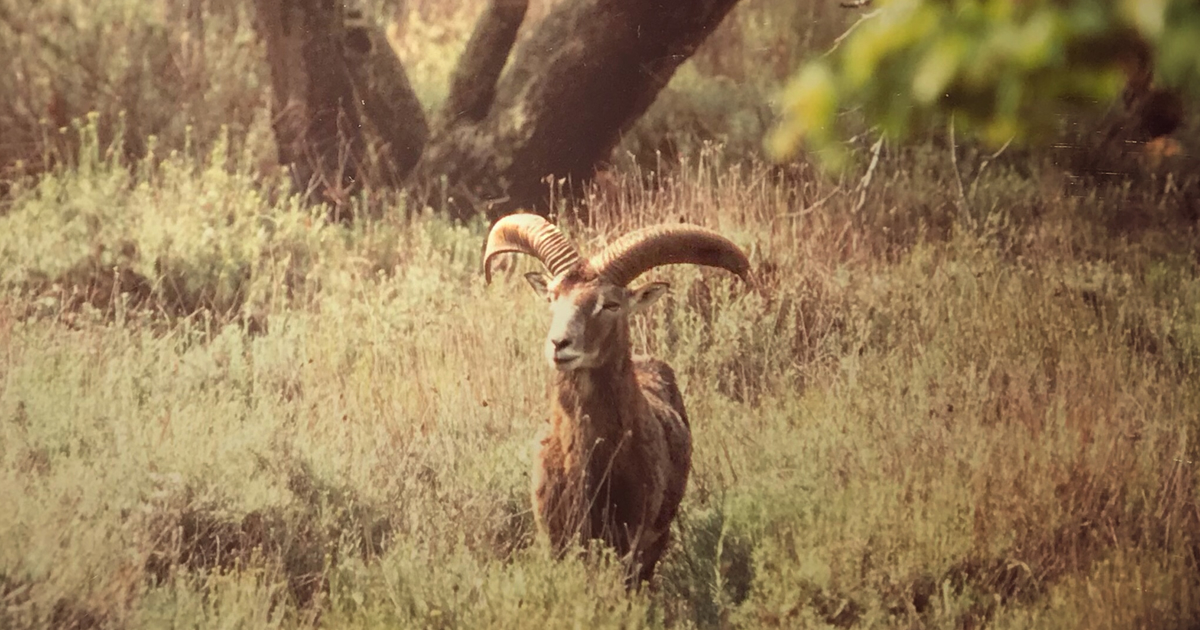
x: 175, y: 235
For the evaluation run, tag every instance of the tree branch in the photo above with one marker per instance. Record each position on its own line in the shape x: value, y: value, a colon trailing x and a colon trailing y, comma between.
x: 473, y: 84
x: 386, y: 96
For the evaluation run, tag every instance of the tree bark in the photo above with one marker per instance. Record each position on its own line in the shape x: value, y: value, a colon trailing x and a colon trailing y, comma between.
x: 501, y: 141
x: 386, y: 101
x: 587, y: 73
x: 473, y: 84
x: 316, y: 130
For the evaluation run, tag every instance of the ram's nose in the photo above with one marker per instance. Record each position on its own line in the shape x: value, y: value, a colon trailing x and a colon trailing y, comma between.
x: 562, y: 354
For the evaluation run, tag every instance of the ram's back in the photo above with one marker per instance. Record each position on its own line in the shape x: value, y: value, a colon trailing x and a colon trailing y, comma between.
x: 657, y: 381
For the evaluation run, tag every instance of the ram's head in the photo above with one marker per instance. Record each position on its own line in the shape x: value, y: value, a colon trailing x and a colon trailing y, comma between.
x: 590, y: 299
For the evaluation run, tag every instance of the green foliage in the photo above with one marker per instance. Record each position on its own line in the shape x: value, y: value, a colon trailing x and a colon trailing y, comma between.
x: 1001, y: 69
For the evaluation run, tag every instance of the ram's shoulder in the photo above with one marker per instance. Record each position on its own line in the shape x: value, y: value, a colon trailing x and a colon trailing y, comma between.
x: 657, y: 381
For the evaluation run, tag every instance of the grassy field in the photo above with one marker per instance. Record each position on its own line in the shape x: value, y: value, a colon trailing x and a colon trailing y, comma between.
x: 937, y: 410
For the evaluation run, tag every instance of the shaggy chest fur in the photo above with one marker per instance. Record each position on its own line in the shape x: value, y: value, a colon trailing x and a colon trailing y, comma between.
x: 614, y: 460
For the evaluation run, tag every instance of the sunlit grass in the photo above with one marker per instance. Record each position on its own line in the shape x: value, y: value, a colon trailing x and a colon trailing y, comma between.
x: 984, y: 421
x: 935, y: 409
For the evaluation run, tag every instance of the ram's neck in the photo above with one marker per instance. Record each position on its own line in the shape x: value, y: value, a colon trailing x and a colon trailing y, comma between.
x: 596, y: 409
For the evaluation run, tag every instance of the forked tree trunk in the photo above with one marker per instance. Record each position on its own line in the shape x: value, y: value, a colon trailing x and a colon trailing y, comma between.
x: 587, y: 73
x: 316, y: 132
x: 386, y: 102
x: 581, y: 79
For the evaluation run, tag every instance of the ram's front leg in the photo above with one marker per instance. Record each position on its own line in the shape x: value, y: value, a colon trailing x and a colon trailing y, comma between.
x: 559, y: 510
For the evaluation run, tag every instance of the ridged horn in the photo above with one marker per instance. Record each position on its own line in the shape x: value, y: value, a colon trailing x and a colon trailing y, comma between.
x: 640, y: 251
x: 533, y: 235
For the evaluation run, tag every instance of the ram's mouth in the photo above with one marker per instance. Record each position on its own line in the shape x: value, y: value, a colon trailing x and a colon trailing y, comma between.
x: 566, y: 363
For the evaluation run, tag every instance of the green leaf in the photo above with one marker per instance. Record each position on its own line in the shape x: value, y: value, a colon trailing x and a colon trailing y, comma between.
x: 937, y: 69
x: 809, y: 105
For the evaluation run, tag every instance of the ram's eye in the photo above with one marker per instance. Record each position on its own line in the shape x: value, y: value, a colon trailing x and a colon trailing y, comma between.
x: 612, y: 306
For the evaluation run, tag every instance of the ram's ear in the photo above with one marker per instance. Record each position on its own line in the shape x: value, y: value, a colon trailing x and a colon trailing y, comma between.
x: 642, y: 297
x: 539, y: 281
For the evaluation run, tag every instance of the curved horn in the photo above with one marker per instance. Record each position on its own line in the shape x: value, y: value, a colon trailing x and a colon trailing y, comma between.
x: 638, y: 252
x: 533, y: 235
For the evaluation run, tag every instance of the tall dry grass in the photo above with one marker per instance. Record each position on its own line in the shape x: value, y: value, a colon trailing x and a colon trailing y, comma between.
x: 958, y: 396
x: 929, y: 412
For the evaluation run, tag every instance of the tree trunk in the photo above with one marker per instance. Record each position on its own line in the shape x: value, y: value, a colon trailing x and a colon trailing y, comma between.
x: 386, y: 101
x: 587, y: 73
x: 317, y: 135
x: 473, y: 84
x: 579, y: 81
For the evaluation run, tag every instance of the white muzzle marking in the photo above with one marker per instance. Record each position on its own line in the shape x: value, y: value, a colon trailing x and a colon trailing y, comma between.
x: 564, y: 340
